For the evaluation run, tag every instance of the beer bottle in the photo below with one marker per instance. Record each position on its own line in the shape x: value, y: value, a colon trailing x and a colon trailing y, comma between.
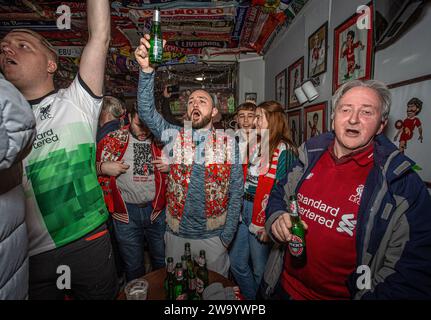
x: 184, y: 266
x: 169, y: 280
x: 156, y: 41
x: 202, y: 280
x: 192, y: 294
x: 297, y: 244
x: 180, y: 286
x: 189, y: 261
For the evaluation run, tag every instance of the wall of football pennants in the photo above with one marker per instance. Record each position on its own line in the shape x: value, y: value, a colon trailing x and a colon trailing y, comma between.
x: 193, y: 29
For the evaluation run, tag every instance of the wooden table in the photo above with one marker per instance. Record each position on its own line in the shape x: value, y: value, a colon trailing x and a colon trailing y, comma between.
x: 156, y: 278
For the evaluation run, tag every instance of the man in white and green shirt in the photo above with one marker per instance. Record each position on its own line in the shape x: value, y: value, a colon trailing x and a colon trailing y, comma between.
x: 66, y: 213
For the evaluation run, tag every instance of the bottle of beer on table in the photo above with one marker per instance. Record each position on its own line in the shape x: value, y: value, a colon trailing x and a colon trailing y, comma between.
x: 184, y: 266
x: 202, y: 280
x: 189, y: 260
x: 156, y: 41
x: 180, y: 285
x: 170, y: 278
x: 297, y: 244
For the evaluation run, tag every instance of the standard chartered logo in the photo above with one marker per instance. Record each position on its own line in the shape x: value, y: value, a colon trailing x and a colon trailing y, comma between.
x: 347, y: 224
x: 45, y: 138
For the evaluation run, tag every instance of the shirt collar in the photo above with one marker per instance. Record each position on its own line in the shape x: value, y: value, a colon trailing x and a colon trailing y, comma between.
x: 362, y: 157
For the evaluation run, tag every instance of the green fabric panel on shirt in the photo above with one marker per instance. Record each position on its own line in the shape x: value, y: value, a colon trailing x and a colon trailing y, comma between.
x: 67, y: 193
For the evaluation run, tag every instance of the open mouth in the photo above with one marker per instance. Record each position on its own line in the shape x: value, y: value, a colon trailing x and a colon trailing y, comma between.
x: 10, y: 61
x: 195, y: 115
x: 352, y: 132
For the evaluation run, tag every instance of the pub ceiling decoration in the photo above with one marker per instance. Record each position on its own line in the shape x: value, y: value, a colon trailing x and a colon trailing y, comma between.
x: 195, y: 30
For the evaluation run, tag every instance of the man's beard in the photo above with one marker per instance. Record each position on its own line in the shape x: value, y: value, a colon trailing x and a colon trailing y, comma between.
x: 204, y: 121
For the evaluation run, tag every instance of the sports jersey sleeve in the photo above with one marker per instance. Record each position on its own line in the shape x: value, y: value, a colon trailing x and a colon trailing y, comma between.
x: 83, y: 98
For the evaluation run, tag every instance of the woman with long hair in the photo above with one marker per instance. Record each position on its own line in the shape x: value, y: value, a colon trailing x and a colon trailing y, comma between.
x: 271, y: 154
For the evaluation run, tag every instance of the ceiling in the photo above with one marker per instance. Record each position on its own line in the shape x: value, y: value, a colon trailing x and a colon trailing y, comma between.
x: 196, y: 31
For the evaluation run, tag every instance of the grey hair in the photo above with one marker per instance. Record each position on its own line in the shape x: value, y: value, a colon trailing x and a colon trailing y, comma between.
x: 113, y: 106
x: 379, y: 87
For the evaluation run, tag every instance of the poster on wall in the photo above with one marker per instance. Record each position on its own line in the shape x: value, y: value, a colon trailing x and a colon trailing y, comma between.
x: 314, y: 120
x: 317, y: 51
x: 280, y: 88
x: 409, y: 122
x: 294, y: 120
x: 295, y: 77
x: 251, y: 97
x: 353, y: 50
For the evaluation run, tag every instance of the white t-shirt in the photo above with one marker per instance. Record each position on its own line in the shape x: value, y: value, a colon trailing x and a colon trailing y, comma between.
x: 64, y: 198
x: 137, y: 185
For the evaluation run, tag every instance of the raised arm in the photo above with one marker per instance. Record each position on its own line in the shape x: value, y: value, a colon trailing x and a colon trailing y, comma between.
x: 93, y: 59
x: 146, y: 106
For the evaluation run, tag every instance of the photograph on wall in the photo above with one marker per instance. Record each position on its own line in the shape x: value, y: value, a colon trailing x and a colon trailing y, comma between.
x: 280, y: 88
x: 317, y: 51
x: 295, y: 77
x: 353, y: 51
x: 251, y: 97
x: 409, y: 122
x: 314, y: 120
x: 294, y: 120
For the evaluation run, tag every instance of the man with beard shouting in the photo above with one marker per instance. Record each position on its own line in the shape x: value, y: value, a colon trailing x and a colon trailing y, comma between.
x: 205, y: 183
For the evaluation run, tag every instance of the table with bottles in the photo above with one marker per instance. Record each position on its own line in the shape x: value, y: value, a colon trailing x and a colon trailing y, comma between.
x: 185, y: 280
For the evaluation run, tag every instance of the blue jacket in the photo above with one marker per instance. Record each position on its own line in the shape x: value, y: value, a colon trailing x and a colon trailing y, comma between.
x: 393, y: 235
x: 193, y: 222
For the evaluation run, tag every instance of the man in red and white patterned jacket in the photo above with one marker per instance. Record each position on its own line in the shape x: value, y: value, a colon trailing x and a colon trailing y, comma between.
x: 133, y: 181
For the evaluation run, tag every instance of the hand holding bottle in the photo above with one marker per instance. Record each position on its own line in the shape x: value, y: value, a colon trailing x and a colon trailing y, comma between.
x: 141, y: 53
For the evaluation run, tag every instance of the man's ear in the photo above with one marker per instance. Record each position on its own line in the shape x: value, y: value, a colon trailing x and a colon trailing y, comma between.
x: 382, y: 126
x: 214, y: 112
x: 52, y: 67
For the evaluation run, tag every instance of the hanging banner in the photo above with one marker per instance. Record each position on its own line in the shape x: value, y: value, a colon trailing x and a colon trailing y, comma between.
x: 239, y: 21
x: 273, y: 21
x: 66, y: 51
x: 31, y: 24
x: 180, y: 35
x: 253, y: 14
x: 201, y: 44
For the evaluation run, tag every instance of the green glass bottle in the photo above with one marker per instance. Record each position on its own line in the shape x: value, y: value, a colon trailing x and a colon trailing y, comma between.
x: 192, y: 294
x: 156, y: 40
x: 169, y: 279
x: 180, y: 285
x: 297, y: 244
x: 184, y: 266
x: 202, y: 279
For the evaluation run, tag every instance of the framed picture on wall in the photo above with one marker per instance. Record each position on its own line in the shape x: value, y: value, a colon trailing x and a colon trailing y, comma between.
x: 314, y: 120
x: 280, y: 88
x: 295, y: 77
x: 250, y: 97
x: 317, y: 51
x: 409, y: 124
x: 294, y: 120
x: 353, y: 50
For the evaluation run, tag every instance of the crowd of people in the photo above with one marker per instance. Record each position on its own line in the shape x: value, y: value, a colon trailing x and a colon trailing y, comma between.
x: 92, y: 186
